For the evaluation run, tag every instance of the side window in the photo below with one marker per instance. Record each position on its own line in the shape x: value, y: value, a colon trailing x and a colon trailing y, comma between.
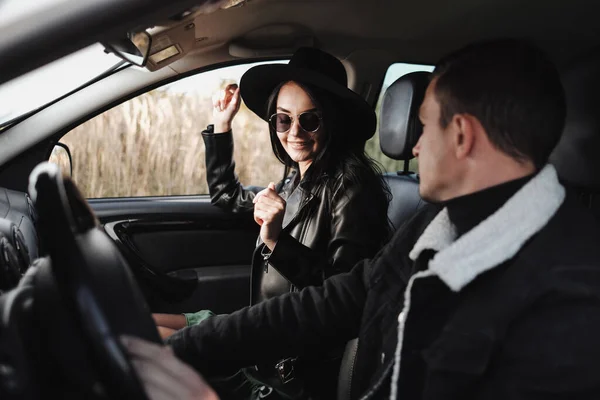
x: 151, y: 145
x: 372, y: 148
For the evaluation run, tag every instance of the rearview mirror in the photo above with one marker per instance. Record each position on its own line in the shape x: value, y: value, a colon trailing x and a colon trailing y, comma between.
x: 134, y: 48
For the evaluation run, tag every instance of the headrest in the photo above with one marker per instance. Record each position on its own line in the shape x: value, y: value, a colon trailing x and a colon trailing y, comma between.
x: 576, y: 155
x: 399, y: 126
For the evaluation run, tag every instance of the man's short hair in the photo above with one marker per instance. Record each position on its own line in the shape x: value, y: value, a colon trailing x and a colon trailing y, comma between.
x: 512, y: 88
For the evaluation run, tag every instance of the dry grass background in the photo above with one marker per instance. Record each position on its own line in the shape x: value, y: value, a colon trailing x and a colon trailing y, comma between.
x: 152, y: 146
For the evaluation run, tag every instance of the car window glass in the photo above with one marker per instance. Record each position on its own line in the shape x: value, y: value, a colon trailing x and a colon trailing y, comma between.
x: 151, y: 145
x: 372, y: 148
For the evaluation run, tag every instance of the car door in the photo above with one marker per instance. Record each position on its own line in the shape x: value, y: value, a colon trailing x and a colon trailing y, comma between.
x: 141, y: 165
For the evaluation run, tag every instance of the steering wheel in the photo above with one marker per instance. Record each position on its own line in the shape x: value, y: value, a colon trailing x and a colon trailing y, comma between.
x: 93, y: 279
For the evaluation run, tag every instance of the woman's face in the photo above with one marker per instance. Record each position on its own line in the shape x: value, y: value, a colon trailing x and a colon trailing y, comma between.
x: 300, y: 145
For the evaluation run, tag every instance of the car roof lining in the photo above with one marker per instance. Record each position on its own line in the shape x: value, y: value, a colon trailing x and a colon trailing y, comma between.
x: 419, y: 32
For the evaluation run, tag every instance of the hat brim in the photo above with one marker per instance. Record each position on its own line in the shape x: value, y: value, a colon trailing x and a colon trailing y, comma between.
x: 257, y: 84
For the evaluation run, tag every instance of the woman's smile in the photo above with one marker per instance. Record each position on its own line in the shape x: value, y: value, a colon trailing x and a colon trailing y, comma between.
x: 300, y: 145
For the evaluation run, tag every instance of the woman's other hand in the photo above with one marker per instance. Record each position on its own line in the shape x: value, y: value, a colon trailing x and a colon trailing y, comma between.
x: 173, y: 321
x: 226, y: 104
x: 163, y: 375
x: 165, y: 333
x: 269, y: 209
x: 168, y: 324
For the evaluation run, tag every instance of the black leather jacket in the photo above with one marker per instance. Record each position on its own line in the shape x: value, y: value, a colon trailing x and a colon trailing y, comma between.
x: 345, y: 227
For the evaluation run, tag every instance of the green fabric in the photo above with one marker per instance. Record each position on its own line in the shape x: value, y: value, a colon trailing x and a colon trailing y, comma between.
x: 192, y: 319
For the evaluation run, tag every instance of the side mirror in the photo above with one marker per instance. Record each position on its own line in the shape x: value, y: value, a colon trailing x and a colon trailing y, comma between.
x: 134, y: 48
x: 61, y: 156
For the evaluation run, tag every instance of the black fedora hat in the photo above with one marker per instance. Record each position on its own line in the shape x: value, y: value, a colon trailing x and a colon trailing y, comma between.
x: 316, y: 68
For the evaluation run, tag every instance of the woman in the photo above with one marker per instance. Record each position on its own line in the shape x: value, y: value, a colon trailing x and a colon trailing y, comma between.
x: 330, y: 210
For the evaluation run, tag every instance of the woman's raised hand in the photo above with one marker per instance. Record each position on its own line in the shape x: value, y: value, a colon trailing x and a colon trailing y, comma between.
x: 226, y: 104
x: 269, y: 209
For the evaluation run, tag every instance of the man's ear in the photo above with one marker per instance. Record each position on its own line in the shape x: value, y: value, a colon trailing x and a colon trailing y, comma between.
x: 463, y: 135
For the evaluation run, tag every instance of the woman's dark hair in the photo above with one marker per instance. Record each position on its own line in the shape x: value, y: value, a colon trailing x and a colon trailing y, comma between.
x: 337, y: 153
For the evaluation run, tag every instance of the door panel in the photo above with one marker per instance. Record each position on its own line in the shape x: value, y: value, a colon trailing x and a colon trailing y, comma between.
x: 183, y: 245
x: 187, y: 254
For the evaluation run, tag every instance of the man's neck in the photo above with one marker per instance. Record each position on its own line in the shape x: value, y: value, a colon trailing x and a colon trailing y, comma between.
x: 486, y: 167
x: 469, y: 210
x: 303, y: 167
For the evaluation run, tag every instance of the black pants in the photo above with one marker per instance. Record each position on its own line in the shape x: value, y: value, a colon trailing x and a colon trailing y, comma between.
x: 249, y: 384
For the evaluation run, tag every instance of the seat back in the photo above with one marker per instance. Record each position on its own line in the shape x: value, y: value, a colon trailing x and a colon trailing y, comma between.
x: 576, y: 156
x: 405, y: 199
x: 399, y: 131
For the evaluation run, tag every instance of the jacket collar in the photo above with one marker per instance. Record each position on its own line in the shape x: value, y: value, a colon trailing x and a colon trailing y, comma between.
x: 495, y: 240
x: 297, y: 197
x: 294, y: 200
x: 295, y: 204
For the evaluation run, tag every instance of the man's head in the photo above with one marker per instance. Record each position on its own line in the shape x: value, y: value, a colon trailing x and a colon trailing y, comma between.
x: 493, y: 112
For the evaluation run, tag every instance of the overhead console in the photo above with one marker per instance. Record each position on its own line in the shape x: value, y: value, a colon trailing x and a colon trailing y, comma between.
x: 169, y: 40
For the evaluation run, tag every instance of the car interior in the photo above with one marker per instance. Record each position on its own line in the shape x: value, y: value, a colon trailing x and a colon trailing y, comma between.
x: 77, y: 272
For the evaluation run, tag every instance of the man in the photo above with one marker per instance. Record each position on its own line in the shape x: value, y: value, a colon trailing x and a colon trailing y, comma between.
x: 493, y: 292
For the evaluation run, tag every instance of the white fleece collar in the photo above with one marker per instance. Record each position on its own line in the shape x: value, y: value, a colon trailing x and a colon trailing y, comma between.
x: 496, y: 239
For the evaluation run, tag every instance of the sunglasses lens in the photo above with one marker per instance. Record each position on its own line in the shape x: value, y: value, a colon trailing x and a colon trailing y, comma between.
x: 281, y: 122
x: 309, y: 121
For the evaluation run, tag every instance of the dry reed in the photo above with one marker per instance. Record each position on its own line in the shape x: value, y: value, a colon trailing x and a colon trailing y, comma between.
x: 152, y: 146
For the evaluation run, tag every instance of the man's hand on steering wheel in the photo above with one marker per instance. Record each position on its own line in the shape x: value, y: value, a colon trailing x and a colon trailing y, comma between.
x: 163, y: 375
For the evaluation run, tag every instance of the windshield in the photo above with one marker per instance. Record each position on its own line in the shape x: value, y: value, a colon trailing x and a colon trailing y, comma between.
x: 13, y: 10
x: 41, y: 86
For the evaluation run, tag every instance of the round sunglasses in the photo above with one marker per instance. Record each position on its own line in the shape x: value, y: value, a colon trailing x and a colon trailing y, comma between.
x: 309, y: 121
